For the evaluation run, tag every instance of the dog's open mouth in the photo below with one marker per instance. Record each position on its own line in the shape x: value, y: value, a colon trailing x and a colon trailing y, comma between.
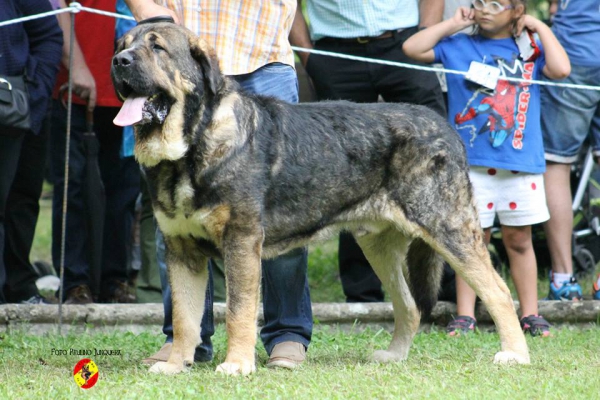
x: 140, y: 110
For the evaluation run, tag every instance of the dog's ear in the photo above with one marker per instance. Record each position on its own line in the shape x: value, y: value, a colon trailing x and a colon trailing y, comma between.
x: 206, y: 57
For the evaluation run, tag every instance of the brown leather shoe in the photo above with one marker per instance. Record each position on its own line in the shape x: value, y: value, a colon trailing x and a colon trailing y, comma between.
x: 287, y: 355
x: 79, y: 295
x: 122, y: 294
x: 162, y: 355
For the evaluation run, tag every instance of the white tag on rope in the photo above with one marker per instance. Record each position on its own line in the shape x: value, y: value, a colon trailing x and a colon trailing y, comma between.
x: 483, y: 74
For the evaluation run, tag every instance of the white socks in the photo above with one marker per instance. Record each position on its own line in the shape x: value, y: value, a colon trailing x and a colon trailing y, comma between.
x: 559, y: 279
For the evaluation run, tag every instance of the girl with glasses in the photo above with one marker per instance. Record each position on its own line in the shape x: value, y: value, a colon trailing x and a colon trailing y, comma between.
x: 499, y: 122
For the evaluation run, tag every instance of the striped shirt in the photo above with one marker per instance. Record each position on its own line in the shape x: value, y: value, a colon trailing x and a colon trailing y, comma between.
x: 247, y: 34
x: 356, y: 18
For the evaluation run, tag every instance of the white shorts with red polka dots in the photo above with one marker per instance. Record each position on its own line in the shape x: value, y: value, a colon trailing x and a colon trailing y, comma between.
x: 518, y: 198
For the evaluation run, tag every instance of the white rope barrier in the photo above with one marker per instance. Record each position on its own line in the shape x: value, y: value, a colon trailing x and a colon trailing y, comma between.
x: 76, y: 8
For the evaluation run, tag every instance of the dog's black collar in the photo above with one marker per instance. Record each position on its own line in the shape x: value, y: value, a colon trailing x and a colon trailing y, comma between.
x: 160, y: 18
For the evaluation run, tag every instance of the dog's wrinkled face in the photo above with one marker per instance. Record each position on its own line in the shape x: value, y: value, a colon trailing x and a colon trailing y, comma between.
x: 154, y: 66
x: 159, y: 71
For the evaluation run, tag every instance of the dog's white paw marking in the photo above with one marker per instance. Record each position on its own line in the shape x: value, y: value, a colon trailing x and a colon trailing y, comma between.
x: 385, y: 356
x: 509, y: 357
x: 166, y: 368
x: 236, y: 368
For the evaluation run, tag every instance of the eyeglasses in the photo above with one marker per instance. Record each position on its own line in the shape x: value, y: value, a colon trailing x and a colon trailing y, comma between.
x: 494, y: 7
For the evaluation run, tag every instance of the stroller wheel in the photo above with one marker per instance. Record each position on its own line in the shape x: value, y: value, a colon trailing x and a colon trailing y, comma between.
x: 584, y: 263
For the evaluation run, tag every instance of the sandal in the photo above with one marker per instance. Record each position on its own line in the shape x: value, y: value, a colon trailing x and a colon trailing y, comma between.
x: 461, y: 324
x: 536, y: 325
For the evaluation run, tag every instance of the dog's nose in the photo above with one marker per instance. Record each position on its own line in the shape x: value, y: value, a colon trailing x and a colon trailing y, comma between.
x: 123, y: 59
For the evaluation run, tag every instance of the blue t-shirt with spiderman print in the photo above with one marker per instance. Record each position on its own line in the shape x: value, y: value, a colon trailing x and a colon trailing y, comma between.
x: 500, y: 128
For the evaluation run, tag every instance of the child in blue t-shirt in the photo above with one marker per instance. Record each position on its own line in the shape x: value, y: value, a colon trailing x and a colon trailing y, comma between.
x: 501, y: 131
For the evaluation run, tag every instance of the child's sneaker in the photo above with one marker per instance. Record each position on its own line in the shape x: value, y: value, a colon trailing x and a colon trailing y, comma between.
x: 461, y: 324
x: 596, y: 290
x: 568, y: 291
x: 536, y: 325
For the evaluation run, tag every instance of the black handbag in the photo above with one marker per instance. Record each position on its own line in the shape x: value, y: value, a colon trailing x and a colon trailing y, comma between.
x: 14, y: 105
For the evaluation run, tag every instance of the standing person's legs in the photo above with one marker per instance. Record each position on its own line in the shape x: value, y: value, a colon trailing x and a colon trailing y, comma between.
x: 566, y: 122
x: 340, y: 79
x: 148, y: 284
x: 76, y: 274
x: 22, y: 211
x: 286, y: 296
x: 559, y: 227
x: 121, y: 178
x: 523, y: 266
x: 10, y: 149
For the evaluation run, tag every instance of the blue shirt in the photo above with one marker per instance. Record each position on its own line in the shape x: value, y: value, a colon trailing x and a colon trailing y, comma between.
x: 356, y: 18
x: 577, y: 27
x: 500, y: 129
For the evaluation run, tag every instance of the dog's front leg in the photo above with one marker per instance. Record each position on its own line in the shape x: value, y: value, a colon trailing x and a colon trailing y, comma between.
x: 188, y: 275
x: 242, y: 254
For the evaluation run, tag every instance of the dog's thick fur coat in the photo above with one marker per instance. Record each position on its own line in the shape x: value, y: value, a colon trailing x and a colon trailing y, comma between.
x: 246, y: 177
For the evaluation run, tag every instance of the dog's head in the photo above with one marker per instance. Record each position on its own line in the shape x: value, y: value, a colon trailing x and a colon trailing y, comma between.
x: 164, y: 74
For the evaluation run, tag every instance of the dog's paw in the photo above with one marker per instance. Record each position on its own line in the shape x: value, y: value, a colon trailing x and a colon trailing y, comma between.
x: 236, y: 368
x: 509, y: 357
x: 166, y: 368
x: 385, y: 356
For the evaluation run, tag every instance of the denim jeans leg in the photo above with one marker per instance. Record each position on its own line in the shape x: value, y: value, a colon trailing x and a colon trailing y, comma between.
x: 286, y: 300
x: 204, y: 352
x: 286, y: 296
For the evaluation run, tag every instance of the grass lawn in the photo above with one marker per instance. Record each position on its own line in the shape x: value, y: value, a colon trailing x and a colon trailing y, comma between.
x: 563, y: 366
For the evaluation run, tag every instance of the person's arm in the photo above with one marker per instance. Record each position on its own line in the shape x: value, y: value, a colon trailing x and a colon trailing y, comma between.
x: 45, y: 43
x: 558, y: 65
x: 299, y: 35
x: 144, y: 9
x: 420, y: 45
x: 84, y: 84
x: 431, y: 12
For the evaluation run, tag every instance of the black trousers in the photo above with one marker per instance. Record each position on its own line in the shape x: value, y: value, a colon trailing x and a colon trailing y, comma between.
x: 121, y: 178
x: 22, y: 210
x: 361, y: 82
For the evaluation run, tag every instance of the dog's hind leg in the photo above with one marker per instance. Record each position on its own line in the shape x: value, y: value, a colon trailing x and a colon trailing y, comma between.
x: 243, y: 272
x: 460, y: 242
x: 386, y: 253
x: 188, y: 275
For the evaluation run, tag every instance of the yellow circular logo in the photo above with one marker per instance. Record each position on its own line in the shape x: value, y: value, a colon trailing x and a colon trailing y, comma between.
x: 85, y: 373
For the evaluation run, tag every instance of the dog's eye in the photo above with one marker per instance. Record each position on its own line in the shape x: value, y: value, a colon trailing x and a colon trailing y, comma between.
x: 157, y: 47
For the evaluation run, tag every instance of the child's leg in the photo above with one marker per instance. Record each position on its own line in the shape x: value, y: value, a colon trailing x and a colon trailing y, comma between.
x: 465, y: 296
x: 523, y: 266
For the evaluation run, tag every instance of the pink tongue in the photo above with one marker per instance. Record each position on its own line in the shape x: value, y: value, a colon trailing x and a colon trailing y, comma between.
x: 131, y: 111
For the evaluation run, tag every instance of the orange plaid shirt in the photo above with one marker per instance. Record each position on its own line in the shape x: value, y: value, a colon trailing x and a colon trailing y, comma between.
x: 247, y: 34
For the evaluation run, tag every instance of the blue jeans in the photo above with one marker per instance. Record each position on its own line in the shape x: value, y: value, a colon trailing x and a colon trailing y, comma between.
x: 571, y: 115
x: 286, y: 296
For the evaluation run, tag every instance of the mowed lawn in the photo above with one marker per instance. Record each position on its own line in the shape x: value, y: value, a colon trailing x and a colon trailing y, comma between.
x: 565, y: 366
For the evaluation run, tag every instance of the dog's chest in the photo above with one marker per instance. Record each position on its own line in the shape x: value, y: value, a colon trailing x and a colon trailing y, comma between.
x: 177, y: 215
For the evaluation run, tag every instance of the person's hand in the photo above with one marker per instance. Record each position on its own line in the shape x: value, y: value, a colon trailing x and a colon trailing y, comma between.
x: 150, y: 9
x: 84, y: 85
x: 527, y: 22
x: 464, y: 17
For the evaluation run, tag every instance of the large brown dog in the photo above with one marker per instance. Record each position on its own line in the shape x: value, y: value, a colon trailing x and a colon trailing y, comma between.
x: 248, y: 177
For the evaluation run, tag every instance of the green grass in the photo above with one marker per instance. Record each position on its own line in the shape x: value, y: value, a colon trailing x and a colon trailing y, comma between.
x: 563, y: 366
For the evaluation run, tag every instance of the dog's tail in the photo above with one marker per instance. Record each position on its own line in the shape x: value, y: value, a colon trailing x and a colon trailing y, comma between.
x: 425, y: 269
